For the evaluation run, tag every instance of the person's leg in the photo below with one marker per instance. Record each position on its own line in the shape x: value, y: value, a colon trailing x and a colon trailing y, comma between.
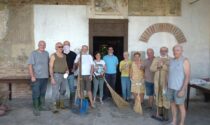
x: 35, y: 96
x: 174, y: 112
x: 43, y: 89
x: 95, y: 88
x: 88, y: 88
x: 171, y: 97
x: 71, y: 89
x: 123, y: 86
x: 142, y: 91
x: 149, y: 92
x: 134, y: 95
x: 128, y: 89
x: 101, y: 87
x: 113, y: 81
x: 55, y: 93
x: 106, y: 90
x: 142, y: 97
x: 2, y: 112
x: 180, y: 103
x: 182, y: 113
x: 62, y: 92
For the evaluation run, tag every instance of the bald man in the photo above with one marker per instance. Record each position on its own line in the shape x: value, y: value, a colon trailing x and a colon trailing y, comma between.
x: 160, y: 68
x: 38, y: 69
x: 58, y: 67
x: 70, y: 58
x: 178, y: 79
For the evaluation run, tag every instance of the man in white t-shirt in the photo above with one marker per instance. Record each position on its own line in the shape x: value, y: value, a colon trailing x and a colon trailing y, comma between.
x: 86, y: 72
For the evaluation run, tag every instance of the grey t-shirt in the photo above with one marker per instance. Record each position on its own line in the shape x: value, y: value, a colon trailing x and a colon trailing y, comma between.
x: 40, y: 63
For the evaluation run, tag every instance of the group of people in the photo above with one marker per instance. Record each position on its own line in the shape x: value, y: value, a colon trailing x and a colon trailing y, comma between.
x: 162, y: 78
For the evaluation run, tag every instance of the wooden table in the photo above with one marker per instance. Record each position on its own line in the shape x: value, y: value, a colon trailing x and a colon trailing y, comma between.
x: 14, y: 79
x: 205, y: 88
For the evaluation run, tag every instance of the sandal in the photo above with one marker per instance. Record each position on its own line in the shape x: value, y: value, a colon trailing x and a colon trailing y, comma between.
x: 157, y: 118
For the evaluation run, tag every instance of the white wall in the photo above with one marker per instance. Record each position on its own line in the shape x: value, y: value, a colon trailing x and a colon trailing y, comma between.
x: 195, y: 24
x: 58, y: 23
x: 54, y: 23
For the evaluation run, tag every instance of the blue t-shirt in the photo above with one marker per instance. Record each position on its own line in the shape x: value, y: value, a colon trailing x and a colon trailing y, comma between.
x: 111, y: 62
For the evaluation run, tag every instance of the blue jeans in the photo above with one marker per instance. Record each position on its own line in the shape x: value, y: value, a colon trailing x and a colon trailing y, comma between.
x: 126, y: 87
x: 39, y: 88
x: 71, y: 83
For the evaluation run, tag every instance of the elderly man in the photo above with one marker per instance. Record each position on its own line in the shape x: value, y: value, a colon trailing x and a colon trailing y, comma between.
x: 111, y: 62
x: 160, y: 68
x: 38, y: 69
x: 70, y: 58
x: 58, y: 67
x: 179, y: 75
x: 149, y: 77
x: 86, y: 71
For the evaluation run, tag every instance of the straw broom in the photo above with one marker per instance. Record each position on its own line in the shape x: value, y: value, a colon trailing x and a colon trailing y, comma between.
x: 137, y: 105
x: 119, y: 101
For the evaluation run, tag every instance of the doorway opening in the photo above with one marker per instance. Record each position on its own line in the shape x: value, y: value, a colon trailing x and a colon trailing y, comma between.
x: 101, y: 44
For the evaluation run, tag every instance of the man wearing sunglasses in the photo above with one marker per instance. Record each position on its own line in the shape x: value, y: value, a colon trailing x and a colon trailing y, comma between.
x: 58, y: 67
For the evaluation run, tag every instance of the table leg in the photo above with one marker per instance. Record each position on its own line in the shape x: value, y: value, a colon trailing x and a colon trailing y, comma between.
x: 10, y: 91
x: 188, y: 96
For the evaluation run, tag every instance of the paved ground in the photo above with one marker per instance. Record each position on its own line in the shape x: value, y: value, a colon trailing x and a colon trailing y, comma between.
x: 106, y: 114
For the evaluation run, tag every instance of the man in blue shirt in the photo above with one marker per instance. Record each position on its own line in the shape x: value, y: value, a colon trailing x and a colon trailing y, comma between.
x: 111, y: 62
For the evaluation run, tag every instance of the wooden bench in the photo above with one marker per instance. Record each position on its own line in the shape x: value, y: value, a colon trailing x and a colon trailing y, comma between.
x: 14, y: 79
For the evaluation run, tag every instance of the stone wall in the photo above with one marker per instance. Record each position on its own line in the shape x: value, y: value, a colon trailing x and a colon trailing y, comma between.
x: 16, y: 43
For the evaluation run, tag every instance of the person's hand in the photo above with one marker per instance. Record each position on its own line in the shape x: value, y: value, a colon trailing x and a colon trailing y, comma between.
x: 33, y: 79
x: 160, y: 64
x: 181, y: 93
x: 90, y: 77
x: 53, y: 81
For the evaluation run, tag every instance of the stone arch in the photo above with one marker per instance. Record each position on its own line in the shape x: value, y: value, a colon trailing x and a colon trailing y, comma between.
x: 163, y: 27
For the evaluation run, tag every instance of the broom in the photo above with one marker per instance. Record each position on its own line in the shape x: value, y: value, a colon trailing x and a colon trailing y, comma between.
x: 137, y: 106
x: 119, y: 101
x: 79, y: 101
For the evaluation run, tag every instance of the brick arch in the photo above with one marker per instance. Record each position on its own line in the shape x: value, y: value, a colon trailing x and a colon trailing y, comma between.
x: 163, y: 27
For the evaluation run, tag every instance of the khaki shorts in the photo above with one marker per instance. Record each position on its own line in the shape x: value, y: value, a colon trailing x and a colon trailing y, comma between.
x: 85, y: 83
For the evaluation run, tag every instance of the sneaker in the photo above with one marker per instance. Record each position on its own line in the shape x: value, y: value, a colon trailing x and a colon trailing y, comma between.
x: 101, y: 101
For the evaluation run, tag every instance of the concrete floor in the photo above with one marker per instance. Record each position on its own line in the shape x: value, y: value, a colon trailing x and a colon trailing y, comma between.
x: 106, y: 114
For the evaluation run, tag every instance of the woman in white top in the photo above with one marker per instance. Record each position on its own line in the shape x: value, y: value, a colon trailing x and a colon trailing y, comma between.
x: 99, y: 70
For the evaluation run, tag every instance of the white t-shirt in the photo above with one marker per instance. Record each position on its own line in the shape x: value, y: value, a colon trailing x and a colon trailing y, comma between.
x: 87, y: 62
x: 99, y: 67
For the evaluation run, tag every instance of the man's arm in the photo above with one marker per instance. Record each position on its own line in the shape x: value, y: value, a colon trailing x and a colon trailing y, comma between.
x: 52, y: 59
x: 31, y: 72
x: 187, y: 74
x: 31, y: 62
x: 186, y: 79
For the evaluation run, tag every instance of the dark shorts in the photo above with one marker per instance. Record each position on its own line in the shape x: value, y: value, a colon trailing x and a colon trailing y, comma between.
x: 85, y: 83
x: 149, y: 88
x: 172, y: 96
